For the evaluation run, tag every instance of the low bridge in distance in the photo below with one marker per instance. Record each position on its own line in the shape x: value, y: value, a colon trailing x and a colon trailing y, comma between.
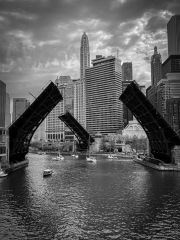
x: 84, y: 138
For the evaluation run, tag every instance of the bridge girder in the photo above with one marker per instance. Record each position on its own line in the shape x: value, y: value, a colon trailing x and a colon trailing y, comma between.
x: 81, y: 134
x: 162, y: 138
x: 23, y: 128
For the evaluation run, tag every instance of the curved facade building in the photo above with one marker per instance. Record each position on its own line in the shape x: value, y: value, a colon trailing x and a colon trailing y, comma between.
x: 103, y: 85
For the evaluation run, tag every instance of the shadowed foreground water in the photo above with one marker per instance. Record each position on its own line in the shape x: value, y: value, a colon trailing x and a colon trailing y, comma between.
x: 103, y: 200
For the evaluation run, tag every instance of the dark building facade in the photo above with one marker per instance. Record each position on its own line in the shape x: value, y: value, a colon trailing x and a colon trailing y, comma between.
x: 173, y: 113
x: 173, y: 34
x: 127, y: 72
x: 127, y: 114
x: 156, y: 75
x: 2, y: 103
x: 156, y: 67
x: 171, y: 65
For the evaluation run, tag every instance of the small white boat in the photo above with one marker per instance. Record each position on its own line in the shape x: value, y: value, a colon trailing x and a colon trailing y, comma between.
x: 91, y: 159
x: 41, y: 153
x: 58, y: 157
x: 110, y: 156
x: 74, y: 156
x: 47, y: 172
x: 2, y: 174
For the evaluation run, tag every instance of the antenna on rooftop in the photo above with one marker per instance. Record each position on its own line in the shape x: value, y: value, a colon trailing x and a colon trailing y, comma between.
x: 117, y: 53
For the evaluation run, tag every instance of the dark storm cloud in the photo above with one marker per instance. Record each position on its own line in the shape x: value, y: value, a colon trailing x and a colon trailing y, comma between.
x: 40, y: 36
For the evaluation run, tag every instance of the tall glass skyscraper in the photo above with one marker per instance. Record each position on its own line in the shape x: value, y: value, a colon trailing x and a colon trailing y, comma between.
x: 127, y: 73
x: 104, y: 111
x: 80, y: 101
x: 84, y: 55
x: 173, y: 34
x: 79, y: 84
x: 2, y: 103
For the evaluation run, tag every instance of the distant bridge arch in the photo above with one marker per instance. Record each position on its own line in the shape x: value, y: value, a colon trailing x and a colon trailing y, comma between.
x: 84, y: 138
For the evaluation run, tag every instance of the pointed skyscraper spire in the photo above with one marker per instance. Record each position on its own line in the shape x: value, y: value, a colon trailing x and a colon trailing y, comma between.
x: 84, y: 55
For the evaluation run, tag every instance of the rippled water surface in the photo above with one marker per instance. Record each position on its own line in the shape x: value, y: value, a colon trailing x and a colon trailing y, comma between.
x: 103, y: 200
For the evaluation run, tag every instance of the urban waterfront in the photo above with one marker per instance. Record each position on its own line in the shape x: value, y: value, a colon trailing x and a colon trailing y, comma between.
x: 103, y: 200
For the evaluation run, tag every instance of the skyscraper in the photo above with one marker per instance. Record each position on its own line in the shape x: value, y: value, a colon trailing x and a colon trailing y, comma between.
x: 8, y: 114
x: 156, y: 75
x: 2, y: 103
x: 79, y: 84
x: 156, y: 67
x: 173, y: 113
x: 104, y: 111
x: 127, y: 73
x: 80, y: 101
x: 171, y: 65
x: 173, y: 34
x: 84, y: 55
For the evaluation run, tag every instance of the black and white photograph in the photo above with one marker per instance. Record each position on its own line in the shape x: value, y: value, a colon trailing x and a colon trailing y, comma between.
x: 89, y: 119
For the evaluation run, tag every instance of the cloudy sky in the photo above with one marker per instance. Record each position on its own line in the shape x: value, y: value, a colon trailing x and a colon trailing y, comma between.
x: 40, y: 39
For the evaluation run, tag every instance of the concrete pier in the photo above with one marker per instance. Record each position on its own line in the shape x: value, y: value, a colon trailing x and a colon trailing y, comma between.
x: 16, y: 166
x: 159, y: 167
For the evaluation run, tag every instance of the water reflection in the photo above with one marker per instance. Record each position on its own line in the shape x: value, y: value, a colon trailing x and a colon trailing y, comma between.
x: 106, y: 200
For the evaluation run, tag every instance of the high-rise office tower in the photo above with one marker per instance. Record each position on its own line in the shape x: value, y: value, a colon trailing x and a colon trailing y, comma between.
x: 156, y: 75
x: 173, y: 34
x: 127, y: 73
x: 171, y: 65
x: 8, y: 114
x: 80, y: 101
x: 84, y: 55
x: 79, y: 84
x: 55, y: 129
x: 156, y: 67
x: 2, y: 103
x: 104, y: 111
x: 163, y: 94
x: 19, y: 106
x: 173, y: 113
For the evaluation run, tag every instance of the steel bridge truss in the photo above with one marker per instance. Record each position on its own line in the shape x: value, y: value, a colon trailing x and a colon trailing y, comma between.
x: 162, y: 138
x: 23, y: 128
x: 84, y: 138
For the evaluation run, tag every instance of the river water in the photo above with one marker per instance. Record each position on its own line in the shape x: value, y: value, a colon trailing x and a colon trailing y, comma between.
x: 103, y: 200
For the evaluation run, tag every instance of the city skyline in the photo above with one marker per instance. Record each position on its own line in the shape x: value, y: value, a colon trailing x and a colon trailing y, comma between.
x: 41, y: 40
